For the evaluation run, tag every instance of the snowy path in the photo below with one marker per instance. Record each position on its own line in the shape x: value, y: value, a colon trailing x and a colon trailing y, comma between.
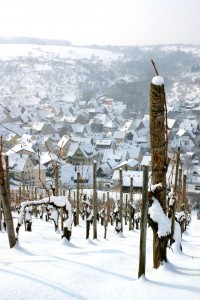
x: 44, y: 267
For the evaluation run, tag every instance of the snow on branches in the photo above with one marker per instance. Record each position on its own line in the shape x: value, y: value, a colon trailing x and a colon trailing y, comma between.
x: 161, y: 222
x: 158, y: 216
x: 56, y: 202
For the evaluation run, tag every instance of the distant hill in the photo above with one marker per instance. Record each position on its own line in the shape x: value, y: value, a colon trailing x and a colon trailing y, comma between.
x: 35, y: 41
x: 52, y: 70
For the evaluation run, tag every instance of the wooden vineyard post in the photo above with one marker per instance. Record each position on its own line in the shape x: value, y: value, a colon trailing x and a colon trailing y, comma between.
x: 56, y: 180
x: 175, y: 191
x: 69, y: 195
x: 126, y: 208
x: 6, y: 205
x: 179, y: 190
x: 121, y: 199
x: 20, y: 194
x: 94, y: 201
x: 184, y: 203
x: 159, y: 160
x: 35, y: 193
x: 143, y: 224
x: 23, y: 187
x: 108, y: 206
x: 131, y: 209
x: 60, y: 188
x: 7, y: 176
x: 77, y: 198
x: 177, y: 168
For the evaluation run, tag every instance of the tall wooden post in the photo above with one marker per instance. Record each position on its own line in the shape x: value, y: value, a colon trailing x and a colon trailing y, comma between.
x: 175, y: 191
x: 177, y: 168
x: 184, y: 190
x: 143, y: 225
x: 120, y: 198
x: 6, y: 205
x: 184, y: 201
x: 179, y: 199
x: 126, y: 208
x: 60, y: 188
x: 35, y: 193
x: 69, y: 195
x: 94, y: 201
x: 20, y: 194
x: 23, y: 187
x: 56, y: 180
x: 108, y: 206
x: 131, y: 215
x: 77, y: 198
x: 7, y: 176
x: 159, y: 160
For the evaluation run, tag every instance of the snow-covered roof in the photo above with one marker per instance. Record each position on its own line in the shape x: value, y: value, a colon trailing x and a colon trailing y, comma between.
x: 170, y: 123
x: 46, y: 157
x: 181, y: 132
x: 109, y: 154
x: 119, y: 134
x: 78, y: 128
x: 63, y: 141
x: 24, y: 147
x: 17, y: 162
x: 104, y: 142
x: 126, y: 175
x: 37, y: 126
x: 130, y: 163
x: 146, y: 160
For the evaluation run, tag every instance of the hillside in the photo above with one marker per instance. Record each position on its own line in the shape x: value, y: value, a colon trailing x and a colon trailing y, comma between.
x: 37, y: 73
x: 43, y: 266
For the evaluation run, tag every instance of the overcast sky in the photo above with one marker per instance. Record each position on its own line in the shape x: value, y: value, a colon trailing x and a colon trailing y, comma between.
x: 115, y: 22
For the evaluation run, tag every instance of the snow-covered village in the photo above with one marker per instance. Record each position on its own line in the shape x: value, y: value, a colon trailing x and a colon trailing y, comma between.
x: 99, y: 165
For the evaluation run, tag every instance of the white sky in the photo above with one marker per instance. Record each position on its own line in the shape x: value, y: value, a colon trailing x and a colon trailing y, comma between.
x: 115, y: 22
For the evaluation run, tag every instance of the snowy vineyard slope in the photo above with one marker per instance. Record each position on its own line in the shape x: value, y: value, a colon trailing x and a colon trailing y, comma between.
x: 43, y: 266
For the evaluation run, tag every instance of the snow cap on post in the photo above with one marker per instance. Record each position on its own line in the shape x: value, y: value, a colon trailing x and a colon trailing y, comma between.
x: 158, y: 80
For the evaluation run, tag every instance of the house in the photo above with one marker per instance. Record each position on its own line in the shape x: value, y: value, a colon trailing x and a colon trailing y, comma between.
x: 172, y: 125
x: 23, y: 149
x: 48, y: 160
x: 191, y: 126
x: 105, y: 144
x: 142, y: 141
x: 110, y: 154
x: 10, y: 140
x: 21, y: 167
x: 78, y: 129
x: 64, y: 145
x: 79, y: 154
x: 146, y: 161
x: 68, y: 176
x: 43, y: 128
x: 196, y: 111
x: 119, y: 136
x: 132, y: 151
x: 130, y: 164
x: 131, y: 136
x: 184, y: 139
x: 126, y: 175
x: 99, y: 122
x: 127, y: 125
x: 106, y: 169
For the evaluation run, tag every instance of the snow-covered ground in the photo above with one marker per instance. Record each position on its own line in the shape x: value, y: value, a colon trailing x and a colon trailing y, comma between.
x: 16, y: 50
x: 42, y: 266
